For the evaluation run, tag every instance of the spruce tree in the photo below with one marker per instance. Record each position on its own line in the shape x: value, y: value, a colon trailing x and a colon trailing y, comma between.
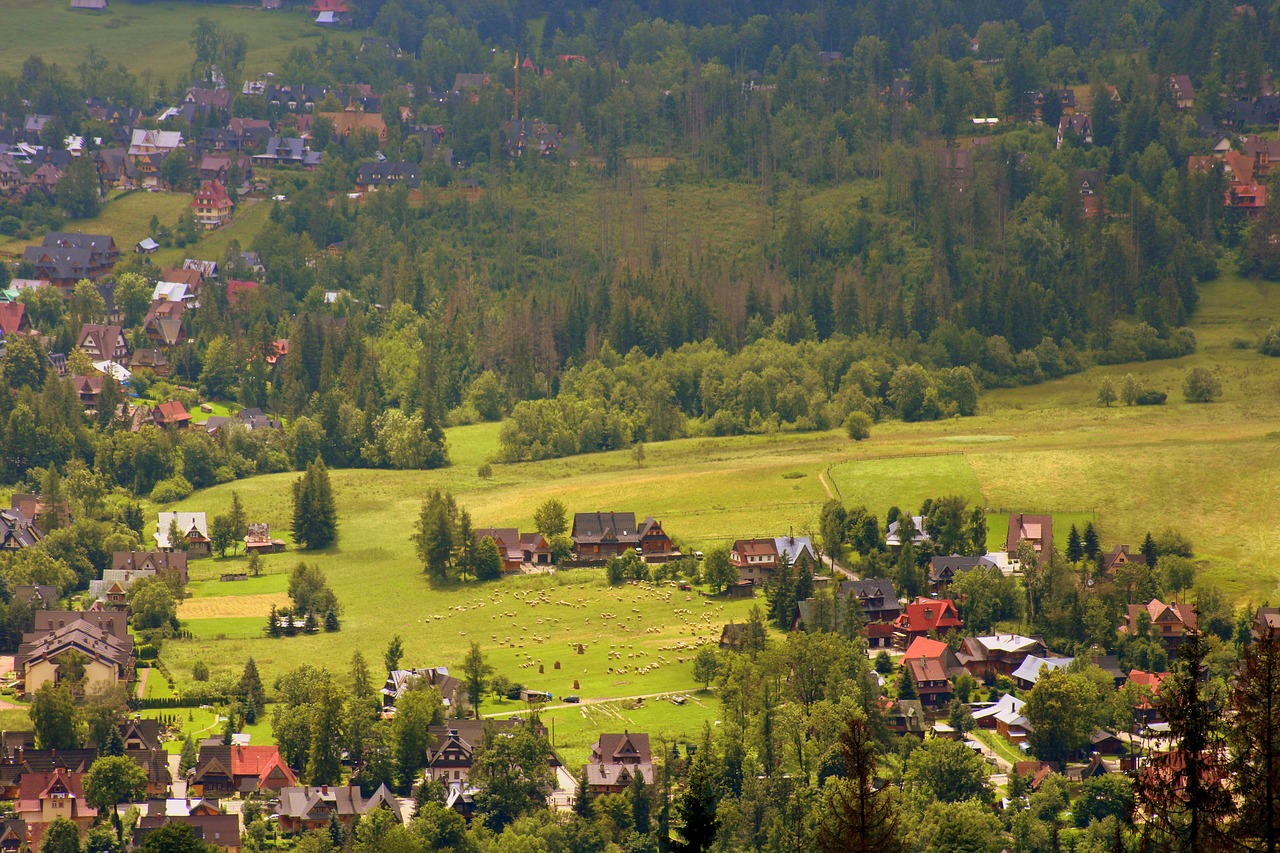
x: 189, y: 756
x: 582, y: 797
x: 273, y: 626
x: 239, y: 524
x: 1149, y: 551
x: 907, y: 687
x: 858, y: 815
x: 696, y: 810
x: 315, y: 517
x: 1091, y: 547
x: 1075, y: 547
x: 250, y: 691
x: 331, y: 623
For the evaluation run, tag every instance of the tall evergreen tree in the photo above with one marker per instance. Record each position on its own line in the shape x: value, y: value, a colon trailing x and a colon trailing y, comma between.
x: 1149, y: 551
x: 1075, y: 546
x: 857, y: 816
x: 239, y: 523
x: 1255, y: 746
x: 1091, y: 546
x: 315, y: 516
x: 252, y: 695
x: 695, y: 809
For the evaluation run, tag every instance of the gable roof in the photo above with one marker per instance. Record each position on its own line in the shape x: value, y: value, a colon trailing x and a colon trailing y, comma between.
x: 604, y: 527
x: 926, y: 614
x: 1033, y: 667
x: 187, y: 523
x: 625, y: 748
x: 923, y: 647
x: 13, y: 318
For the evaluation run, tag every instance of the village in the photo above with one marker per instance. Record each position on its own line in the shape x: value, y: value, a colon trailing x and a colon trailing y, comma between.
x: 932, y: 672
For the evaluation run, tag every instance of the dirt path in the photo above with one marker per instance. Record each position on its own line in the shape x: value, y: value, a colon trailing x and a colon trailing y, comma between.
x: 143, y: 675
x: 604, y: 700
x: 826, y: 487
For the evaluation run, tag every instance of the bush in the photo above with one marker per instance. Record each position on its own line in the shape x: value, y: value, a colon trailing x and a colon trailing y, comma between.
x: 858, y: 425
x: 174, y: 489
x: 1151, y: 398
x: 1270, y: 343
x: 200, y: 671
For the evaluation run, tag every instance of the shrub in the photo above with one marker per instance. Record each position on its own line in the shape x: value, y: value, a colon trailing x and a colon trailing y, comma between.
x: 174, y: 489
x: 1151, y: 398
x: 1270, y: 343
x: 200, y: 671
x: 1201, y: 386
x: 858, y: 425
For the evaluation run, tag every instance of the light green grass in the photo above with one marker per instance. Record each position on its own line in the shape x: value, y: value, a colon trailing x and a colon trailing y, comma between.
x: 1001, y: 746
x: 576, y: 729
x: 212, y: 245
x: 126, y: 218
x: 149, y: 36
x: 214, y: 588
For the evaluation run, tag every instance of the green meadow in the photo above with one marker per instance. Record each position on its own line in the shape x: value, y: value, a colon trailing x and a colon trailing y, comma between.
x: 150, y: 39
x: 1206, y: 470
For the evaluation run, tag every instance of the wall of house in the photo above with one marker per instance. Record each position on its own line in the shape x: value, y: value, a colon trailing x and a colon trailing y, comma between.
x: 95, y: 672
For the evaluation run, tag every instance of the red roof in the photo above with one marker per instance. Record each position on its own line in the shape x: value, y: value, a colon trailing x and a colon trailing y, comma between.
x: 258, y: 761
x: 923, y: 647
x: 172, y: 411
x: 330, y: 6
x: 211, y: 194
x: 236, y: 288
x: 13, y: 317
x: 924, y: 615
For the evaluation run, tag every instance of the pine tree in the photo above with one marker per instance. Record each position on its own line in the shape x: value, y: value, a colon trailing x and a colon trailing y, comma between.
x: 638, y: 793
x: 1075, y: 547
x: 1255, y: 736
x: 906, y: 686
x: 315, y: 517
x: 250, y: 691
x: 273, y: 625
x: 331, y: 623
x: 395, y: 651
x: 858, y: 816
x: 1149, y: 551
x: 50, y: 516
x: 780, y: 591
x: 239, y: 524
x: 696, y: 810
x: 582, y: 797
x: 1091, y: 547
x: 189, y: 756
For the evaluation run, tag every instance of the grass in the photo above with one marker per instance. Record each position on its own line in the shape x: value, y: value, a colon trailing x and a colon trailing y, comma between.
x: 1000, y: 745
x: 1207, y: 470
x: 576, y: 729
x: 149, y: 37
x: 125, y: 217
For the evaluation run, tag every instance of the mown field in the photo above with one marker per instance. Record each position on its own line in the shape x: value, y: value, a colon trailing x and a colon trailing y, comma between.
x: 148, y: 37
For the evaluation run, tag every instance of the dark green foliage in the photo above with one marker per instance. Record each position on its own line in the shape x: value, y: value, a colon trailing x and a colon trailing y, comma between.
x: 1075, y: 546
x: 315, y: 516
x: 695, y: 809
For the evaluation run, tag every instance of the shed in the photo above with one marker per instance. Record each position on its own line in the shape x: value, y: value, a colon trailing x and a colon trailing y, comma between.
x: 146, y: 246
x: 89, y: 5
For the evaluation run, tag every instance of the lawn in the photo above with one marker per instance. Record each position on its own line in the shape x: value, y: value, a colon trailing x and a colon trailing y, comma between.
x: 125, y: 217
x: 148, y: 37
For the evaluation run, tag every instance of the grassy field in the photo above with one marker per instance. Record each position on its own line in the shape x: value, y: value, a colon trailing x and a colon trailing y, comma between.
x: 125, y: 217
x: 1207, y: 470
x: 148, y: 37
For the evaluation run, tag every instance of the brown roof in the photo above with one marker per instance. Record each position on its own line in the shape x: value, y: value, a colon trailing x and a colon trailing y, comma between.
x: 625, y: 748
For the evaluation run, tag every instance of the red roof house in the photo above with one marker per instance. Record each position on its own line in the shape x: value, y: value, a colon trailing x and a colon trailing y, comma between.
x: 212, y: 205
x: 44, y: 797
x: 171, y: 414
x: 13, y: 318
x: 337, y: 6
x: 926, y: 615
x: 238, y: 289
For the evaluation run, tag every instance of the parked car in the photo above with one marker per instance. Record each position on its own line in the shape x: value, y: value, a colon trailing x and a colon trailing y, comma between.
x: 573, y: 700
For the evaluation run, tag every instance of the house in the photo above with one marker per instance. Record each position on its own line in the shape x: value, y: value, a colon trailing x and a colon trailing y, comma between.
x: 1184, y: 94
x: 146, y: 246
x: 223, y: 771
x: 166, y: 564
x: 349, y: 121
x: 45, y: 797
x: 313, y: 807
x: 1033, y: 666
x: 1036, y: 529
x: 903, y: 717
x: 1146, y: 710
x: 192, y: 525
x: 930, y: 664
x: 616, y: 759
x: 999, y: 654
x: 171, y: 414
x: 1077, y: 126
x: 259, y: 540
x: 63, y: 259
x: 89, y: 5
x: 218, y: 167
x: 238, y: 289
x: 1249, y: 199
x: 220, y: 830
x: 14, y: 320
x: 518, y: 548
x: 152, y: 359
x: 102, y: 643
x: 375, y: 176
x: 88, y: 389
x: 755, y: 559
x: 733, y: 637
x: 37, y: 596
x: 13, y: 831
x: 208, y: 99
x: 147, y: 142
x: 46, y: 177
x: 103, y: 343
x: 11, y: 177
x: 926, y: 615
x: 401, y: 680
x: 533, y: 135
x: 598, y: 535
x: 1266, y: 623
x: 163, y: 324
x: 943, y: 570
x: 283, y: 150
x: 880, y: 608
x: 470, y: 82
x: 212, y: 205
x: 1008, y: 709
x: 1120, y: 556
x: 115, y: 584
x: 920, y: 535
x: 450, y: 757
x: 1168, y: 623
